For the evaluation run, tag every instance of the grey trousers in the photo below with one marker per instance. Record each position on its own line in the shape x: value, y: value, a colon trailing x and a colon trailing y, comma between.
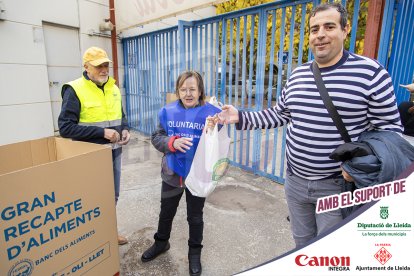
x: 301, y: 196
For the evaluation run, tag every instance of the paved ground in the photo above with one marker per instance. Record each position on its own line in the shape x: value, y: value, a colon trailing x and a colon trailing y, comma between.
x: 244, y: 219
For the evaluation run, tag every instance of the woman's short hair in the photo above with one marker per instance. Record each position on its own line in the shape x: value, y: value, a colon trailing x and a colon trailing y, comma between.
x: 188, y: 74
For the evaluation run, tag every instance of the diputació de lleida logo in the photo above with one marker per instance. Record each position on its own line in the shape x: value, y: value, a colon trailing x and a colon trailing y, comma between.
x: 21, y: 268
x: 384, y: 212
x: 220, y: 168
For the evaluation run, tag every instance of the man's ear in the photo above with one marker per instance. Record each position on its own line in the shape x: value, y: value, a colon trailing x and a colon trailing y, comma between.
x: 347, y: 29
x: 85, y: 66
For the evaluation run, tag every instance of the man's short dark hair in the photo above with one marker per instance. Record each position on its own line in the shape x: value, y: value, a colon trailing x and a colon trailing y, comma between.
x: 337, y: 6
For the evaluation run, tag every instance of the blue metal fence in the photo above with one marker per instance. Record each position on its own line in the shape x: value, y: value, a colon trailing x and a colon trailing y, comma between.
x: 151, y: 66
x: 245, y: 58
x: 396, y: 51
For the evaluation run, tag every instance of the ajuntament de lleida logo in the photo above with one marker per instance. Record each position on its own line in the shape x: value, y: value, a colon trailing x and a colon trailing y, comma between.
x: 384, y: 212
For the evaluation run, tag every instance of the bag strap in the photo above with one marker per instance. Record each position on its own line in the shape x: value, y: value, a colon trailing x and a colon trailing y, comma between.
x: 328, y: 103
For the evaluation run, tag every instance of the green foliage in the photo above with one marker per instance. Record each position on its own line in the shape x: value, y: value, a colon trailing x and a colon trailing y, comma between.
x: 235, y: 5
x: 362, y: 23
x: 245, y: 23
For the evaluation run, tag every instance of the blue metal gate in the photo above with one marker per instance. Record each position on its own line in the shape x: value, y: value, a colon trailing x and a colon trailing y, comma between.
x: 150, y: 69
x: 397, y: 52
x: 245, y: 58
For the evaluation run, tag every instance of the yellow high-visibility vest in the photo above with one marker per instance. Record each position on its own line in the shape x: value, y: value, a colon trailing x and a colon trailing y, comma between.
x: 103, y: 109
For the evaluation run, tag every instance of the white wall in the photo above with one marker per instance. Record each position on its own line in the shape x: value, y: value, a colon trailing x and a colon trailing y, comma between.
x: 25, y: 100
x: 170, y: 22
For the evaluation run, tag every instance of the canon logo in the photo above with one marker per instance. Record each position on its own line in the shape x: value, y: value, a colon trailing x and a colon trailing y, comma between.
x: 303, y: 260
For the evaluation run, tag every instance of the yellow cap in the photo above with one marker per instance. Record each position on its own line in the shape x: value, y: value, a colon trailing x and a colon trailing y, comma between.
x: 95, y: 56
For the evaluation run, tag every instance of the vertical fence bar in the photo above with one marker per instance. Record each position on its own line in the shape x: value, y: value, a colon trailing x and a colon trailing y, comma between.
x: 279, y: 80
x: 223, y: 60
x: 249, y: 105
x: 144, y: 83
x: 230, y: 91
x: 270, y: 86
x: 252, y: 24
x: 133, y: 84
x: 165, y: 65
x: 354, y: 23
x: 126, y: 75
x: 194, y: 49
x: 291, y: 39
x: 260, y: 68
x: 217, y: 53
x: 386, y: 30
x: 177, y: 54
x: 200, y: 49
x: 236, y: 97
x: 243, y: 85
x: 205, y: 69
x: 171, y: 63
x: 244, y: 62
x: 181, y: 39
x: 211, y: 58
x: 301, y: 36
x: 279, y: 59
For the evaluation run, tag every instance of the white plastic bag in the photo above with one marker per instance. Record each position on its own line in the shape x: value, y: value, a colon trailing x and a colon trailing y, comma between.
x: 210, y: 161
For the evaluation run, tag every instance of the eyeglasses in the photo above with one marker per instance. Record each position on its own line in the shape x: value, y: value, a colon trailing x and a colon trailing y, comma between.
x: 185, y: 91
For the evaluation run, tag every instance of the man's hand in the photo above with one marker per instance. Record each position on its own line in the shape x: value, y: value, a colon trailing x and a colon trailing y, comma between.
x: 228, y: 115
x: 212, y: 121
x: 346, y: 176
x: 409, y: 87
x: 111, y: 134
x: 182, y: 144
x: 125, y: 137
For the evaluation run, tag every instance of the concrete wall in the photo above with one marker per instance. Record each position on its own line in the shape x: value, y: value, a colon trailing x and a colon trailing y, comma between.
x: 28, y: 88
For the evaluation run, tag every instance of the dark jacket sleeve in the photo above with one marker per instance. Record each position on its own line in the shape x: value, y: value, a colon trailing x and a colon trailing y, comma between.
x: 161, y: 141
x: 69, y: 118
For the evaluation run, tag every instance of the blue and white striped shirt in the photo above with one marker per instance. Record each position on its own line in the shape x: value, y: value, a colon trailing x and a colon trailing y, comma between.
x: 361, y: 90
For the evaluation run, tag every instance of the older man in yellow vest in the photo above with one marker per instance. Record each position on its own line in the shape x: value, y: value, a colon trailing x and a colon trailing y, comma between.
x: 92, y: 111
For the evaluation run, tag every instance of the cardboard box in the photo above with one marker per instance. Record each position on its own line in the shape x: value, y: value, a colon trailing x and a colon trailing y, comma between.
x: 170, y: 97
x: 57, y: 209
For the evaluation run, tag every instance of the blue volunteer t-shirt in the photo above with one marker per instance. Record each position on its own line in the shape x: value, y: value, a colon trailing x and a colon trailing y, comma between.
x: 179, y: 121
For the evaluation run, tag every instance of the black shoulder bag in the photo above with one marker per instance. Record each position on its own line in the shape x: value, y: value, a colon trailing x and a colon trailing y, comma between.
x: 327, y: 101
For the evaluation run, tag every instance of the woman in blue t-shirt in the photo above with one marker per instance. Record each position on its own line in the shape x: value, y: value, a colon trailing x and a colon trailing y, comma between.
x: 177, y: 136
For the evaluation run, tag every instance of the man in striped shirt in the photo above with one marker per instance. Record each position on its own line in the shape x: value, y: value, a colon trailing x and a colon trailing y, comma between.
x: 362, y: 92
